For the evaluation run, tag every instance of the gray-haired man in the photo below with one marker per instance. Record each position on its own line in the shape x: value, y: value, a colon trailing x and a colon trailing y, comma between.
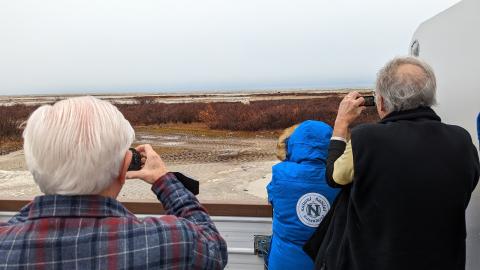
x: 406, y: 180
x: 77, y: 152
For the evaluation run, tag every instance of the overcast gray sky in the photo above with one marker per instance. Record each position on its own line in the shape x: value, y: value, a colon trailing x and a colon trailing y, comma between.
x: 60, y: 46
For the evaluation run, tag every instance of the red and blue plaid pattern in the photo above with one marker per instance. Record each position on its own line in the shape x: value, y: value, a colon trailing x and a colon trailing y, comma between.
x: 95, y: 232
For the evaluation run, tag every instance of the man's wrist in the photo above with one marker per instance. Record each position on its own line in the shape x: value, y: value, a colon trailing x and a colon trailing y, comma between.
x: 163, y: 182
x: 172, y: 194
x: 154, y: 177
x: 340, y: 129
x: 338, y: 138
x: 161, y: 178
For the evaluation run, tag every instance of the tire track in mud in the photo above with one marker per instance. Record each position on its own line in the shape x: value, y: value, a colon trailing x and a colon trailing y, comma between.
x: 216, y: 156
x: 186, y: 148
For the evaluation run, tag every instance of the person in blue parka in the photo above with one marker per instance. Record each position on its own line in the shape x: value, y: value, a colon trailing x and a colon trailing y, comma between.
x: 478, y: 128
x: 298, y: 193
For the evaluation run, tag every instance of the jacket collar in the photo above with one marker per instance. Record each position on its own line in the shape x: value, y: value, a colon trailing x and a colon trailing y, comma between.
x: 420, y: 113
x: 75, y: 206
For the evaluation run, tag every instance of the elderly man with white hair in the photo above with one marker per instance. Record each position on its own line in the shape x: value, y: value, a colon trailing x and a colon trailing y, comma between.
x: 406, y: 180
x: 78, y: 153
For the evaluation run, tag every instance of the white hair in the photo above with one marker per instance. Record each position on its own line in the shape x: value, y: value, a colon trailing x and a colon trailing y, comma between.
x: 406, y: 90
x: 76, y: 146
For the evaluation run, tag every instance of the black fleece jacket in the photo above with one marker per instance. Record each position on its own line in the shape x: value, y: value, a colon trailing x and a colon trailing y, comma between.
x: 413, y: 178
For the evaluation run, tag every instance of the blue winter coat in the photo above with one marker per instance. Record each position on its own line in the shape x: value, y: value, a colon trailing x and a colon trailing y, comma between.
x: 299, y: 195
x: 478, y: 128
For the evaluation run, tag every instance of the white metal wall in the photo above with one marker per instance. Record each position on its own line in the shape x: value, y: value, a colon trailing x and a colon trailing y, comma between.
x: 450, y: 42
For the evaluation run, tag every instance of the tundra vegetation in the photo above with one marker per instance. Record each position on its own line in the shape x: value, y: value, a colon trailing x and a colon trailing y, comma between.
x: 255, y: 116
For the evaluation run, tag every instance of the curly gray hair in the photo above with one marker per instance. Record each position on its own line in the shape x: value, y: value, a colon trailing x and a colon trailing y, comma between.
x: 404, y: 90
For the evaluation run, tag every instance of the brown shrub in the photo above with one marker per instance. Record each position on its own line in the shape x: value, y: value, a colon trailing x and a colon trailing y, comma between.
x: 10, y: 119
x: 147, y: 113
x: 258, y: 115
x: 273, y: 114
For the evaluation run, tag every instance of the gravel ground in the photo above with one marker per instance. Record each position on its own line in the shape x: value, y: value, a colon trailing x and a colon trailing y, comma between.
x: 229, y: 169
x: 218, y: 181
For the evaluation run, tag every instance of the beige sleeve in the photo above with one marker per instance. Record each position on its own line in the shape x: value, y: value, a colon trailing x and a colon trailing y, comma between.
x: 343, y: 167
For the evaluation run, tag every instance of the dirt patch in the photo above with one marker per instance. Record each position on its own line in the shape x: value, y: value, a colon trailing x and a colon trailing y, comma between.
x: 201, y: 130
x: 229, y: 182
x: 10, y: 145
x: 225, y: 163
x: 195, y: 143
x: 14, y: 161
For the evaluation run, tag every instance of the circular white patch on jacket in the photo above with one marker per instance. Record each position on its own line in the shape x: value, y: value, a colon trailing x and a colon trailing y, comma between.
x: 312, y: 208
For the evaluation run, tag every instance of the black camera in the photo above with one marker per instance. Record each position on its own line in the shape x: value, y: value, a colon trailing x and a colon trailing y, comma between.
x: 136, y: 165
x: 369, y: 101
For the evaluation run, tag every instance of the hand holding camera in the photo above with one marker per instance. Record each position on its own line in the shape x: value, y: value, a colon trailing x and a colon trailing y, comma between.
x: 351, y: 107
x: 146, y: 164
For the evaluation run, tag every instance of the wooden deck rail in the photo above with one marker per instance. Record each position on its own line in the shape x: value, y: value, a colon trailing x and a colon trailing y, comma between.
x: 214, y: 208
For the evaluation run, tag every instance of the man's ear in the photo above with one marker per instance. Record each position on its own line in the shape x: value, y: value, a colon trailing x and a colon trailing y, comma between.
x: 124, y: 167
x: 381, y: 106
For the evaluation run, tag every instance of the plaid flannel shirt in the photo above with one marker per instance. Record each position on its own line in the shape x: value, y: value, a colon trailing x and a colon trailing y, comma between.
x: 95, y: 232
